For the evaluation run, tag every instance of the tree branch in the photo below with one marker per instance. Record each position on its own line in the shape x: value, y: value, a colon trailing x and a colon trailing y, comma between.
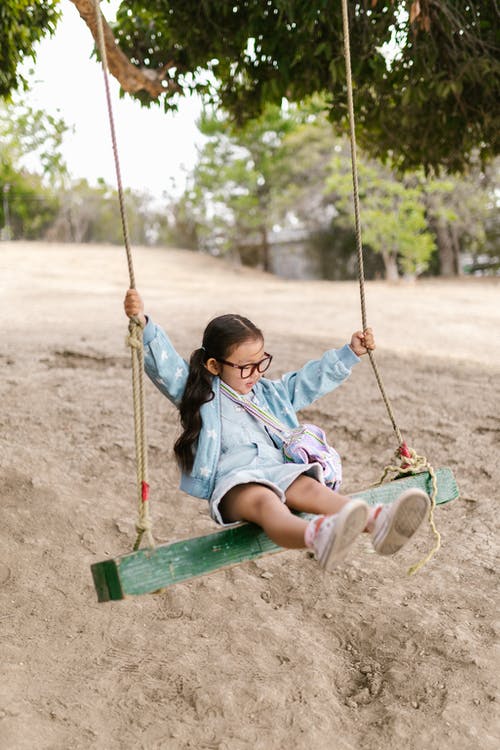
x: 130, y: 77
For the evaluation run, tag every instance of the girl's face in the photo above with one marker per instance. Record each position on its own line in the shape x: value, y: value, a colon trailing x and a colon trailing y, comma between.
x: 248, y: 353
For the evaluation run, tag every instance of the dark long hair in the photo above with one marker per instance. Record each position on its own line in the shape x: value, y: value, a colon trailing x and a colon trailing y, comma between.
x: 221, y: 336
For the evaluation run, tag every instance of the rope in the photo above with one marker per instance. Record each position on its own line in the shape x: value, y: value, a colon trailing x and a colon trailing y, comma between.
x: 357, y: 215
x: 411, y: 462
x: 134, y: 339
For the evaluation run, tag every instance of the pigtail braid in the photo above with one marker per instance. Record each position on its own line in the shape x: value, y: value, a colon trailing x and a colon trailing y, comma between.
x: 198, y: 391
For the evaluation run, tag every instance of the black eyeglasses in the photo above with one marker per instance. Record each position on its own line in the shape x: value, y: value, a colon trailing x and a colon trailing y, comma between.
x: 246, y: 371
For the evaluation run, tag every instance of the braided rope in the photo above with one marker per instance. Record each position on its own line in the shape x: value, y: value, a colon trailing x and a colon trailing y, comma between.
x: 357, y: 215
x: 411, y: 462
x: 134, y: 339
x: 143, y: 524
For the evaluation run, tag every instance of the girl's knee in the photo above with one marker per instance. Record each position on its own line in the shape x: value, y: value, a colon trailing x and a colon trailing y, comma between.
x: 263, y: 499
x: 305, y: 487
x: 249, y: 503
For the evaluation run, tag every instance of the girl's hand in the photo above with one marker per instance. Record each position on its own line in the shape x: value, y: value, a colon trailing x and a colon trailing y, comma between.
x: 134, y: 306
x: 362, y: 341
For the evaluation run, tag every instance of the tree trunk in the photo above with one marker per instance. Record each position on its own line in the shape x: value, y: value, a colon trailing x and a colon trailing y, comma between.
x: 391, y: 266
x: 456, y: 249
x: 265, y: 250
x: 446, y: 251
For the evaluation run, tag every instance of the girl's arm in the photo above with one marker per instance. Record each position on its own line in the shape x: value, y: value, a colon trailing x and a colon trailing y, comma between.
x: 321, y: 376
x: 165, y: 367
x: 318, y: 377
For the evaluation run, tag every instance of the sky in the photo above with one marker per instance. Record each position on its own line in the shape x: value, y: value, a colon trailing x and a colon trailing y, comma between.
x: 155, y: 148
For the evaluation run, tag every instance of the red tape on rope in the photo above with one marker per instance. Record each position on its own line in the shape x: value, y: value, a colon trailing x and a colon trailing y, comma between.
x: 145, y: 492
x: 404, y: 452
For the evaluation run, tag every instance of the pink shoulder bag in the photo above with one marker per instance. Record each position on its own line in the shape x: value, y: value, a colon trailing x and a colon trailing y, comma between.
x: 305, y: 444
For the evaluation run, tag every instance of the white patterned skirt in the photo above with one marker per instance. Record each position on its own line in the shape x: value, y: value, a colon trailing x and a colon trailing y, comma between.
x: 260, y: 464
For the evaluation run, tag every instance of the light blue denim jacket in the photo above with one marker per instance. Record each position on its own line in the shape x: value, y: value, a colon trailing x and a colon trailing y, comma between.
x: 283, y: 398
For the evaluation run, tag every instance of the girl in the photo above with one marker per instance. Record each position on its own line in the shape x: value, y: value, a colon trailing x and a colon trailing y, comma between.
x: 229, y: 457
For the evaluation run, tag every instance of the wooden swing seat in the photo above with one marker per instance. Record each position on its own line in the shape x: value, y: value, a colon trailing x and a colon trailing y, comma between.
x: 147, y: 570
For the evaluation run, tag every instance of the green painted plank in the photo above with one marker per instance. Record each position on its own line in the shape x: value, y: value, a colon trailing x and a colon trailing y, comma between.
x: 107, y: 581
x: 447, y: 489
x: 148, y: 570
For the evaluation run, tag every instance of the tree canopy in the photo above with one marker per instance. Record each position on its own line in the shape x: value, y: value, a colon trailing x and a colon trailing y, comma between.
x: 22, y: 24
x: 426, y: 73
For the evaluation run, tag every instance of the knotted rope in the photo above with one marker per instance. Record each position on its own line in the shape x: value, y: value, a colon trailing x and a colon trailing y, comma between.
x: 411, y: 463
x: 134, y: 338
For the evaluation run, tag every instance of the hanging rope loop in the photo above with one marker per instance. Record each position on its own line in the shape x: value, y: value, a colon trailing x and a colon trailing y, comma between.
x: 134, y: 338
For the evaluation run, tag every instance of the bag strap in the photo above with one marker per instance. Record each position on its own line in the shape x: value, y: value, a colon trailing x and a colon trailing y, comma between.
x: 269, y: 420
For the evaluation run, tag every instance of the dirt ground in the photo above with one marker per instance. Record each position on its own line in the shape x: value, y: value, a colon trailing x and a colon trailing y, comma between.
x: 270, y: 654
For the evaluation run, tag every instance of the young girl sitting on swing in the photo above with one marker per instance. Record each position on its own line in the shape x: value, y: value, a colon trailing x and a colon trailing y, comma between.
x: 235, y: 461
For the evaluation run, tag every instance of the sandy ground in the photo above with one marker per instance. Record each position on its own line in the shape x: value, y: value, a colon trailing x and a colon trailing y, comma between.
x: 361, y: 658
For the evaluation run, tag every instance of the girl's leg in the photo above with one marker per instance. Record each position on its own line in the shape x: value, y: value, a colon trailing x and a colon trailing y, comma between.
x: 391, y: 526
x: 259, y: 504
x: 307, y: 495
x: 330, y: 537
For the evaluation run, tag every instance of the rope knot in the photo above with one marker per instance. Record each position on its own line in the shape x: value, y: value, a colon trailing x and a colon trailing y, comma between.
x: 143, y: 524
x: 134, y: 337
x: 132, y: 341
x: 411, y: 462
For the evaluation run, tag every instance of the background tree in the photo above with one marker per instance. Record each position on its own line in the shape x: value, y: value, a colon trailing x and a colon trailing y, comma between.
x: 459, y: 211
x: 287, y: 168
x: 410, y: 222
x: 28, y: 208
x: 29, y: 138
x: 39, y: 200
x: 90, y: 214
x: 302, y: 202
x: 393, y: 214
x: 239, y: 172
x: 306, y: 152
x: 183, y: 224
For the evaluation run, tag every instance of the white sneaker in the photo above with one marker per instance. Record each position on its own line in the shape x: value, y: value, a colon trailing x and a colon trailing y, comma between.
x: 397, y: 523
x: 337, y: 534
